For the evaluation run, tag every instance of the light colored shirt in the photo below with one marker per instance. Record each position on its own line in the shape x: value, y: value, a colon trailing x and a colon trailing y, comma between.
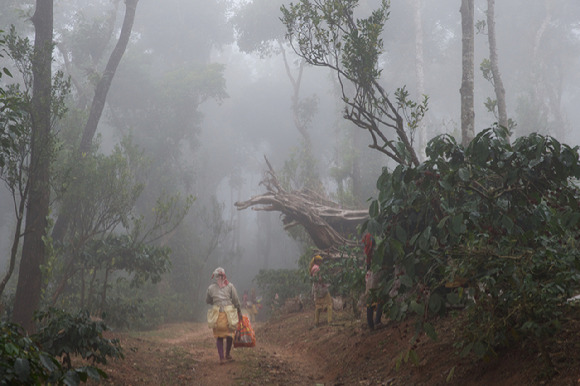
x: 222, y: 297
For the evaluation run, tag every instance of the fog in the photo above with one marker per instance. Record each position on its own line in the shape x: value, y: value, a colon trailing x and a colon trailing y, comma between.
x: 205, y: 107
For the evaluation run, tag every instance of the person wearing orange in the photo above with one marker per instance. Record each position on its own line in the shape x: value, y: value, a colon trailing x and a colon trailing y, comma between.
x: 225, y: 313
x: 320, y: 291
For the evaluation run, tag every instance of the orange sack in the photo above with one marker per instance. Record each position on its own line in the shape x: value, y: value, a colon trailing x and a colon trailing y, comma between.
x: 244, y: 336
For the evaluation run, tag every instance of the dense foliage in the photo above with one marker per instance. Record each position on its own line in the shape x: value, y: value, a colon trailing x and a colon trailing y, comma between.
x: 21, y: 360
x: 286, y: 283
x: 65, y: 335
x: 33, y: 360
x: 11, y: 111
x: 492, y: 227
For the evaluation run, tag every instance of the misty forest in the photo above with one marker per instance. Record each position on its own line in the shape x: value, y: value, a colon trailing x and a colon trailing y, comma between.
x: 145, y: 143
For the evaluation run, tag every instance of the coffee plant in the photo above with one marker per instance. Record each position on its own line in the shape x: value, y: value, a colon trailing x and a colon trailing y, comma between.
x: 492, y: 228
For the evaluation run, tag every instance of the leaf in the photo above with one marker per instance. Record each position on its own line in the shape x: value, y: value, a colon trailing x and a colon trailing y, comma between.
x: 442, y: 223
x: 374, y: 209
x: 22, y: 368
x: 48, y: 362
x: 419, y: 309
x: 466, y: 350
x: 445, y: 185
x: 464, y: 174
x: 10, y: 349
x: 430, y: 331
x: 414, y: 357
x: 450, y: 375
x: 507, y: 223
x: 457, y: 225
x: 398, y: 362
x: 435, y: 303
x: 479, y: 349
x: 394, y: 311
x: 453, y: 298
x: 71, y: 378
x: 406, y: 281
x: 401, y: 234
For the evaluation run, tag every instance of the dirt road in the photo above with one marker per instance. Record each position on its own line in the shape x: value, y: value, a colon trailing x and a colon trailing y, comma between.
x: 185, y: 354
x: 290, y: 351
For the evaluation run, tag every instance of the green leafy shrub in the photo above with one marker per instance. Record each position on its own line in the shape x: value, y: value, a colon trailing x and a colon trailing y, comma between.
x: 286, y: 283
x: 492, y: 227
x: 144, y: 311
x: 346, y: 278
x: 64, y: 335
x: 21, y: 360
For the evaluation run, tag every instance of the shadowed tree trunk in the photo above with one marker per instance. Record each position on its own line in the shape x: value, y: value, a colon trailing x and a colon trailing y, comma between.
x: 467, y: 82
x: 28, y: 289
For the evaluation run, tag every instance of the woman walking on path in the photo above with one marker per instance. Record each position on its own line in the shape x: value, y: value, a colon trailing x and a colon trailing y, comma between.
x: 223, y: 317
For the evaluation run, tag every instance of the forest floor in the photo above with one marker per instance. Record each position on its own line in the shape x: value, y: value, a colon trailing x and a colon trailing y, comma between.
x: 291, y: 351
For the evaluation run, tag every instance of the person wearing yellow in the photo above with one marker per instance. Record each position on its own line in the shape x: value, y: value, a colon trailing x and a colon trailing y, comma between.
x: 322, y: 298
x: 225, y: 313
x: 372, y: 283
x: 249, y: 305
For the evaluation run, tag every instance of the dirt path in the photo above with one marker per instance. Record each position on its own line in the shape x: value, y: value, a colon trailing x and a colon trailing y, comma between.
x: 290, y: 351
x: 185, y: 354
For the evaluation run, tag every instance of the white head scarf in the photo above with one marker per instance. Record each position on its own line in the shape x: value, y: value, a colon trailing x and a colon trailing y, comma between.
x: 219, y: 274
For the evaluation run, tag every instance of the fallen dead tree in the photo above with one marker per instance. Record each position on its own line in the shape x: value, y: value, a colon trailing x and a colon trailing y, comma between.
x: 330, y: 226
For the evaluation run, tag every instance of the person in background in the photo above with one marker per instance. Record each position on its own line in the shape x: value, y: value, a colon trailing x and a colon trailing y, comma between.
x: 253, y: 306
x: 245, y: 299
x: 322, y: 298
x: 246, y: 305
x: 223, y: 317
x: 372, y: 280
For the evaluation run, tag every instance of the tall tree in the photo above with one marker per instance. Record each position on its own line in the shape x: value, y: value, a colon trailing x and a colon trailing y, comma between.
x: 97, y: 107
x: 107, y: 77
x: 28, y: 289
x: 494, y: 65
x: 419, y: 67
x: 467, y: 81
x: 326, y: 33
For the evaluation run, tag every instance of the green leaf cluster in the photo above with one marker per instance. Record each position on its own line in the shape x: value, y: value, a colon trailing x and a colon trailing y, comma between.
x: 122, y: 253
x: 345, y: 276
x: 492, y: 227
x: 64, y: 335
x: 24, y: 360
x: 12, y: 115
x: 21, y: 360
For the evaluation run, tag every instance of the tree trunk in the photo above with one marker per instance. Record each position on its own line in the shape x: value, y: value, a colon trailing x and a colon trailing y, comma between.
x: 328, y: 224
x: 97, y: 107
x: 105, y: 81
x: 28, y: 289
x: 546, y: 95
x: 356, y: 172
x: 296, y: 83
x: 497, y: 82
x: 16, y: 239
x: 467, y: 87
x: 419, y: 71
